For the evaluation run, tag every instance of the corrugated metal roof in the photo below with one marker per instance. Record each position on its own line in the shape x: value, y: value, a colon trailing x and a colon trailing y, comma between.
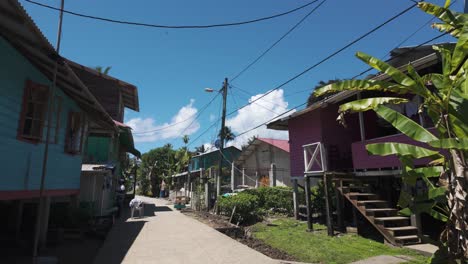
x: 279, y: 143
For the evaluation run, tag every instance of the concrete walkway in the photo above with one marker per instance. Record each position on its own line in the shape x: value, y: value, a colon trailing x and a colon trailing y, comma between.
x: 165, y: 235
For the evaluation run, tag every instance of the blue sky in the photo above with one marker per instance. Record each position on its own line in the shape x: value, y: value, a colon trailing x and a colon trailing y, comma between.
x: 171, y: 67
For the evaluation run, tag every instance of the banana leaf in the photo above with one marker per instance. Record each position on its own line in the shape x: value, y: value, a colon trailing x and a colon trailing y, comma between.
x: 461, y: 49
x: 442, y: 27
x: 401, y: 149
x: 369, y: 104
x: 445, y: 15
x: 361, y: 85
x: 386, y: 68
x: 404, y: 124
x: 450, y: 143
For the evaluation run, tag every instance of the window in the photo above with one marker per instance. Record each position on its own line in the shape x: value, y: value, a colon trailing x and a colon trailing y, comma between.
x: 55, y: 124
x: 33, y: 112
x: 75, y: 132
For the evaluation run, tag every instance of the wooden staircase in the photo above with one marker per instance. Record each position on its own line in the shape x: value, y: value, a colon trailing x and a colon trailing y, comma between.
x: 396, y: 229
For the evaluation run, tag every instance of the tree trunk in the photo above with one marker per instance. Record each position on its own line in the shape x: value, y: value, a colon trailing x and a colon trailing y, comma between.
x: 456, y: 233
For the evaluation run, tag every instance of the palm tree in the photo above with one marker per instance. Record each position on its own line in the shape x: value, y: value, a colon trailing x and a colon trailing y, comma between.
x: 200, y: 149
x: 228, y: 134
x: 102, y: 70
x: 186, y: 139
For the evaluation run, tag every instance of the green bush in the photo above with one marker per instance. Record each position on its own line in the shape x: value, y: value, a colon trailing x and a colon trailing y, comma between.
x: 275, y: 199
x: 247, y: 207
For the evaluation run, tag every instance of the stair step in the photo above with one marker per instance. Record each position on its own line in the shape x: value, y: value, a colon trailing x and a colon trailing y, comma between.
x: 402, y: 228
x: 402, y: 238
x: 391, y: 218
x: 361, y: 194
x: 371, y: 202
x: 381, y: 210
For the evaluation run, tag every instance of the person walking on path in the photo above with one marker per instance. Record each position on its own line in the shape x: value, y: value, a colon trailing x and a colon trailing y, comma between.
x: 162, y: 191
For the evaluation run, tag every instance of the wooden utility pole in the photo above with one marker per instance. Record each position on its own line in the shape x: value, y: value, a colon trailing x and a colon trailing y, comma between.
x: 40, y: 211
x: 135, y: 177
x: 222, y: 137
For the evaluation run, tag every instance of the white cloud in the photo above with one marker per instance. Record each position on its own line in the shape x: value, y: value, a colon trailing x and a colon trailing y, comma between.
x: 257, y: 113
x: 183, y: 123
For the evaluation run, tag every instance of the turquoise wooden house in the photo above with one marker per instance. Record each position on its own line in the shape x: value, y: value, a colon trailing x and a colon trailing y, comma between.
x: 28, y: 63
x: 211, y: 159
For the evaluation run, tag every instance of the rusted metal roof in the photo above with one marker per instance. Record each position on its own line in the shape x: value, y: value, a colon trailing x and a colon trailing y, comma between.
x: 17, y: 27
x: 98, y: 82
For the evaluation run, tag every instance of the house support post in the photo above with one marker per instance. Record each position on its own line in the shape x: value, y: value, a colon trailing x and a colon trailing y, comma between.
x: 18, y: 218
x: 273, y: 175
x: 296, y: 199
x: 339, y: 206
x: 361, y: 122
x: 308, y: 204
x: 232, y: 177
x: 189, y: 185
x: 416, y: 222
x: 207, y: 191
x: 218, y: 183
x: 243, y: 176
x: 256, y: 179
x: 326, y: 185
x: 44, y: 221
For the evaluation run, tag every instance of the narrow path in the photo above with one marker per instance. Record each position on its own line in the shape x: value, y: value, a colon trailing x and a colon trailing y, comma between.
x: 164, y: 235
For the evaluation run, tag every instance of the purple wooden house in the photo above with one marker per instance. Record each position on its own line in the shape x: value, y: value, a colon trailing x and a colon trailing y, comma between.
x: 367, y: 186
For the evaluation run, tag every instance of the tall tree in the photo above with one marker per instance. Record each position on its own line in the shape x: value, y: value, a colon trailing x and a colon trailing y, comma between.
x: 446, y: 102
x: 228, y: 134
x: 186, y: 139
x: 200, y: 149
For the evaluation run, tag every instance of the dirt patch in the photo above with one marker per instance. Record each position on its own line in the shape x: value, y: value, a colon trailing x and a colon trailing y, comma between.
x: 239, y: 233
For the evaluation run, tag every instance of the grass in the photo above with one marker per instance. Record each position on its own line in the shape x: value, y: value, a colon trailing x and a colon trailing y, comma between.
x: 291, y: 237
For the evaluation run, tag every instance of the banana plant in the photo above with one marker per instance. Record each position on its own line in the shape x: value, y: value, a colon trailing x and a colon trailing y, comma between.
x: 445, y: 98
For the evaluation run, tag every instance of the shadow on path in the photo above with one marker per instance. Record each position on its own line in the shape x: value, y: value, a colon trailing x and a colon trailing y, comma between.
x: 119, y: 241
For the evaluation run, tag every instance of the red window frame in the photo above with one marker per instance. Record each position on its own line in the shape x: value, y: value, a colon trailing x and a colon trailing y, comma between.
x: 33, y: 112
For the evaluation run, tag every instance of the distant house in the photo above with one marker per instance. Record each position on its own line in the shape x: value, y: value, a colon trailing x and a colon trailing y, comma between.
x: 320, y: 145
x: 203, y: 162
x: 105, y: 149
x: 27, y: 63
x: 264, y: 162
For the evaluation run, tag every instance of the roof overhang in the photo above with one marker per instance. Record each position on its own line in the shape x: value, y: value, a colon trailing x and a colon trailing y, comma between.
x: 282, y: 123
x: 126, y: 139
x: 17, y: 27
x: 93, y: 78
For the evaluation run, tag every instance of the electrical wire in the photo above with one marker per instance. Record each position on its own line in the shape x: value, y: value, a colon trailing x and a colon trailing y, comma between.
x: 329, y: 56
x: 279, y: 40
x: 300, y: 105
x: 132, y: 23
x: 310, y: 68
x: 262, y: 106
x: 180, y: 122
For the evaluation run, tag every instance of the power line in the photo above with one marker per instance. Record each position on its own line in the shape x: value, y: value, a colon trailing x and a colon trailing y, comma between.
x: 310, y: 68
x: 262, y: 106
x: 404, y: 53
x: 329, y: 56
x: 180, y: 122
x: 172, y: 26
x: 279, y: 40
x: 297, y: 106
